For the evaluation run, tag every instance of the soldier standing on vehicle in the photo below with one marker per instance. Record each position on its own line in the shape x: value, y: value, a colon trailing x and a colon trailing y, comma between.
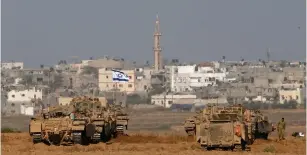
x: 281, y: 127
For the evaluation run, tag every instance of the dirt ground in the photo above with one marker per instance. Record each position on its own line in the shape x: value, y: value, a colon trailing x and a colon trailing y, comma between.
x: 141, y: 144
x: 154, y: 132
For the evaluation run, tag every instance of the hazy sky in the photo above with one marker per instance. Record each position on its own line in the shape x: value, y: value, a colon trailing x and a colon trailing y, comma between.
x: 44, y: 31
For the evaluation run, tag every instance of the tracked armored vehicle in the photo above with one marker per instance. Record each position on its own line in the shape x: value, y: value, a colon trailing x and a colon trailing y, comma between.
x: 83, y: 121
x: 99, y: 123
x: 254, y: 122
x: 258, y: 124
x: 190, y: 125
x: 55, y: 127
x: 220, y: 127
x: 121, y: 120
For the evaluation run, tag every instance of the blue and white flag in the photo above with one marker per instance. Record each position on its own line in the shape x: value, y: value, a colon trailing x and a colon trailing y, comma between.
x: 119, y: 76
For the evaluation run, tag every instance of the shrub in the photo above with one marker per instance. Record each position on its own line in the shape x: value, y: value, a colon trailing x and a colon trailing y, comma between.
x: 270, y: 149
x: 9, y: 130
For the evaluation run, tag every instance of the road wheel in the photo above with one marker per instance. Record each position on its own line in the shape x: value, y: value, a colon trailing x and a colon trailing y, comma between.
x: 243, y: 145
x: 106, y: 133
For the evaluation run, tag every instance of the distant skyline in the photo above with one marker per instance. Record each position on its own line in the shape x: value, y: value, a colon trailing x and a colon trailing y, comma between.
x: 44, y: 32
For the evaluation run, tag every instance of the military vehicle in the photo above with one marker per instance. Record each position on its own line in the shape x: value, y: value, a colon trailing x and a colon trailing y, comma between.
x: 98, y: 119
x: 190, y: 126
x: 83, y: 121
x: 258, y: 124
x: 121, y: 120
x: 220, y: 127
x: 54, y: 126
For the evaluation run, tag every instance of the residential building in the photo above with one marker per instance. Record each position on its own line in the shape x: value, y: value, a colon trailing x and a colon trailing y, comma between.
x: 12, y: 65
x: 106, y: 83
x: 24, y: 95
x: 143, y: 79
x: 297, y: 95
x: 187, y: 78
x: 166, y: 100
x: 24, y: 102
x: 294, y: 73
x: 108, y: 62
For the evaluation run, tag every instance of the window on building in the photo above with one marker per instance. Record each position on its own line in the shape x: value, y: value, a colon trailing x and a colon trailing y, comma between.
x: 107, y: 76
x: 22, y: 95
x: 13, y: 104
x: 120, y: 85
x: 198, y: 80
x: 107, y: 85
x: 145, y: 87
x: 13, y: 96
x: 296, y: 97
x: 23, y: 104
x: 170, y: 102
x: 282, y: 97
x: 130, y: 77
x: 129, y: 85
x: 113, y: 86
x: 290, y: 97
x: 153, y: 102
x: 270, y: 80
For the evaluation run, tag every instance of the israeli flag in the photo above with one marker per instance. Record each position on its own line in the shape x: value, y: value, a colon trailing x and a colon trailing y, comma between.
x: 119, y: 76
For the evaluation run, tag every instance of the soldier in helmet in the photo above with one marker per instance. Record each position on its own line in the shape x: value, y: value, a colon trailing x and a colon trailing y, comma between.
x: 281, y: 127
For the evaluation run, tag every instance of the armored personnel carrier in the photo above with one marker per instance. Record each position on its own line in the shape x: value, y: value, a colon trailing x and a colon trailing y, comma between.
x: 103, y: 121
x: 54, y: 126
x: 220, y: 127
x: 121, y: 120
x: 257, y: 125
x: 96, y: 117
x: 190, y: 125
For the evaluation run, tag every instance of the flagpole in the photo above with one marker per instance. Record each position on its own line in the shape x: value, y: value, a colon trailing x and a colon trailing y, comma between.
x: 116, y: 83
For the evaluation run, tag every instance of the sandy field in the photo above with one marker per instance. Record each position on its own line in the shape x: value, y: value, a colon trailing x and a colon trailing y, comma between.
x: 144, y: 144
x: 155, y: 132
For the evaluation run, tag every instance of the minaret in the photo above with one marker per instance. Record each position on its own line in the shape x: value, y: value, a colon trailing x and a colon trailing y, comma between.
x: 157, y: 48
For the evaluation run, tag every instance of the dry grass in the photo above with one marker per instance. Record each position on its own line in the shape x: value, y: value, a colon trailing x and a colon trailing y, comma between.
x: 143, y: 143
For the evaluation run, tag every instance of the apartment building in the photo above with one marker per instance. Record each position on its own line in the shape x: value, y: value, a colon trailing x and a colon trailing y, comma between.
x: 106, y: 83
x: 186, y: 78
x: 297, y: 95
